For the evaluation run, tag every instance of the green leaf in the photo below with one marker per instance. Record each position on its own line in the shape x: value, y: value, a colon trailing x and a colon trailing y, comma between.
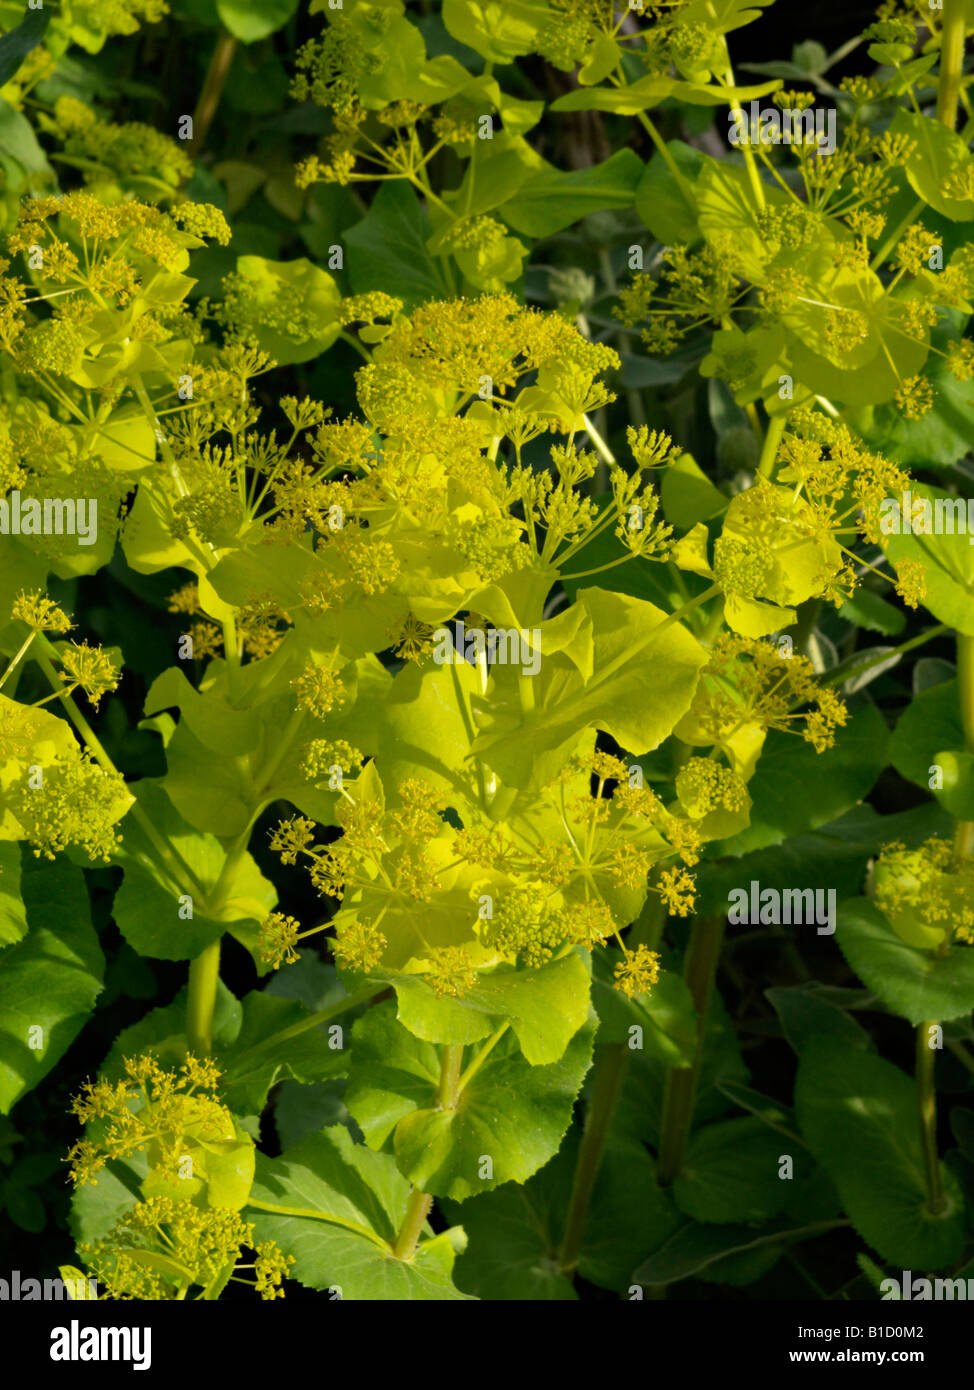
x: 549, y: 201
x: 652, y: 91
x: 510, y: 1112
x: 666, y: 1017
x: 628, y: 1214
x: 662, y: 203
x: 640, y: 683
x: 831, y: 782
x: 50, y: 980
x: 722, y: 16
x: 731, y: 1170
x: 348, y: 1205
x: 13, y: 914
x: 499, y: 30
x: 159, y: 913
x: 253, y: 20
x: 940, y: 436
x: 18, y: 141
x: 17, y: 43
x: 947, y: 561
x: 258, y: 1059
x: 545, y: 1007
x: 915, y: 983
x: 858, y: 1115
x: 930, y: 721
x: 387, y: 249
x: 867, y: 609
x: 806, y: 1014
x: 623, y: 101
x: 272, y: 289
x: 689, y: 497
x: 513, y: 1235
x: 957, y: 793
x: 695, y: 1248
x: 939, y: 156
x: 424, y: 729
x: 163, y: 1033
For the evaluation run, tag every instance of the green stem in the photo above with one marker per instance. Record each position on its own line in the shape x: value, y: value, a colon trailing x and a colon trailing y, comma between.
x: 699, y: 972
x: 417, y: 1210
x: 600, y: 445
x: 964, y: 829
x: 769, y: 450
x: 216, y: 76
x: 204, y: 976
x: 608, y: 1074
x: 927, y: 1106
x: 451, y: 1060
x: 951, y: 61
x: 16, y: 658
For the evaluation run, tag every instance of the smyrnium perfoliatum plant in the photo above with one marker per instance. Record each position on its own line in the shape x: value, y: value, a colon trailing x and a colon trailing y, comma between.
x: 483, y: 489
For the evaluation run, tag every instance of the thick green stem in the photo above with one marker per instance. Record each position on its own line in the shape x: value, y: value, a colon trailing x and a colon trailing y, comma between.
x: 769, y: 450
x: 204, y: 976
x: 927, y: 1106
x: 417, y: 1210
x: 608, y: 1074
x: 699, y: 972
x: 964, y: 829
x: 951, y: 61
x: 216, y: 76
x: 450, y: 1065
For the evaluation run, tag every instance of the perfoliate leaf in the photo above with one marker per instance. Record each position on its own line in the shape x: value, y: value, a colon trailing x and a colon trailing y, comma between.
x: 510, y: 1113
x: 49, y: 981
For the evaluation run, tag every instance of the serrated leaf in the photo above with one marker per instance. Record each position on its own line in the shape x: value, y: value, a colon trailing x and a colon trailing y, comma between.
x: 510, y: 1112
x: 545, y: 1007
x: 549, y: 201
x: 346, y: 1206
x: 152, y: 907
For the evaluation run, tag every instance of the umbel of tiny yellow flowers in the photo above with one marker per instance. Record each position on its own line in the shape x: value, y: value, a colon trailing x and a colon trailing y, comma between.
x: 277, y: 940
x: 926, y: 893
x: 39, y: 612
x: 153, y: 1109
x: 90, y: 668
x: 162, y: 1248
x: 637, y: 972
